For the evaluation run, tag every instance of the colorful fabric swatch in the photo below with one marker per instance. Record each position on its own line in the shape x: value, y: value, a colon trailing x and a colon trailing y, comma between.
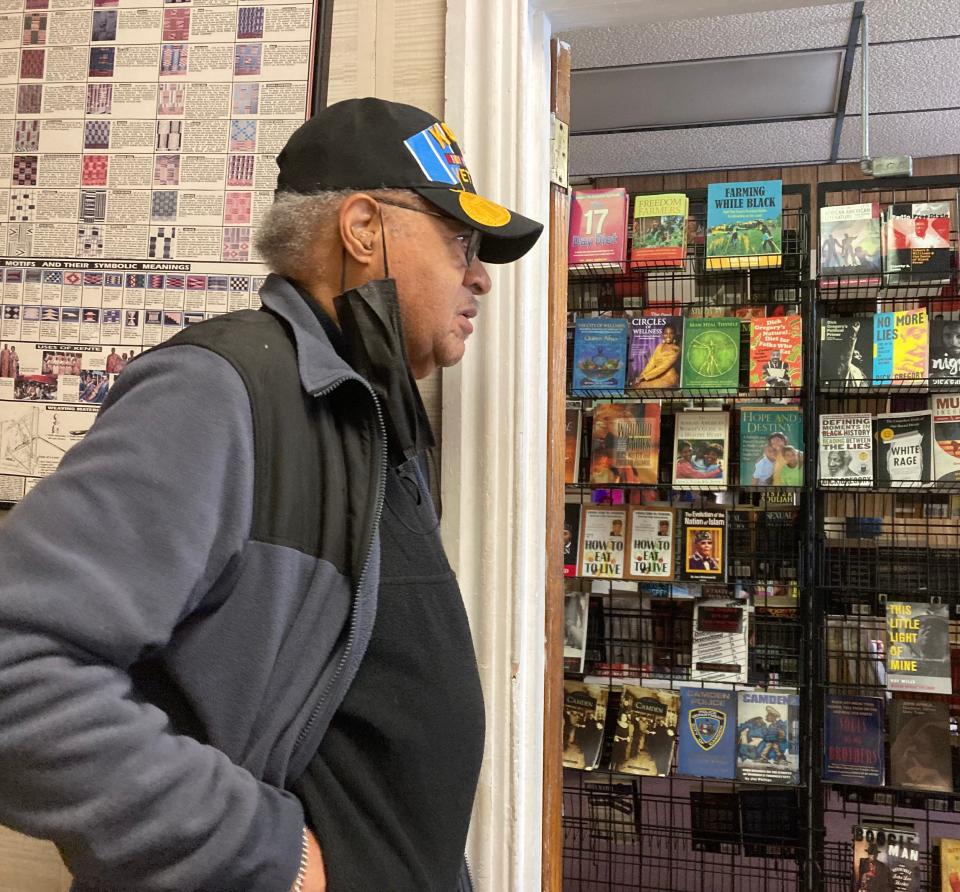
x: 161, y: 242
x: 90, y: 241
x: 99, y: 99
x: 24, y: 170
x: 31, y: 64
x: 246, y: 98
x: 176, y: 24
x: 104, y: 25
x: 92, y: 280
x: 240, y: 170
x: 169, y: 134
x: 163, y: 205
x: 94, y: 170
x: 20, y: 241
x: 99, y: 3
x: 239, y: 283
x: 170, y: 98
x: 35, y: 29
x: 37, y: 4
x: 96, y: 135
x: 250, y: 22
x: 246, y: 58
x: 236, y: 207
x: 236, y: 243
x: 23, y: 206
x: 175, y: 282
x: 102, y: 60
x: 112, y: 280
x: 26, y: 136
x: 243, y: 136
x: 29, y: 99
x: 196, y: 283
x: 218, y: 283
x: 166, y: 170
x: 173, y: 58
x: 93, y: 205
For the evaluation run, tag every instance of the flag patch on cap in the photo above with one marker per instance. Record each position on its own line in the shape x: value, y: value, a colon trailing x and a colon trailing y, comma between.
x: 435, y: 149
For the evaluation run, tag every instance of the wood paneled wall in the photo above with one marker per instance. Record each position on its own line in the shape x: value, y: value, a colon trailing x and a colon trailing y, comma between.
x: 809, y: 174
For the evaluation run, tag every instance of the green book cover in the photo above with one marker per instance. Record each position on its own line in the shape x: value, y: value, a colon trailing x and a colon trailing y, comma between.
x: 771, y: 446
x: 711, y: 353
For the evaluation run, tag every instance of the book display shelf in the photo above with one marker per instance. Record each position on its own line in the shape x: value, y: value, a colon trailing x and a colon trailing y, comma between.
x: 762, y: 654
x: 887, y: 562
x: 687, y: 676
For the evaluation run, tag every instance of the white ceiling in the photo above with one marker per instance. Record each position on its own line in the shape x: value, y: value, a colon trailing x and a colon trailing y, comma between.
x: 914, y: 82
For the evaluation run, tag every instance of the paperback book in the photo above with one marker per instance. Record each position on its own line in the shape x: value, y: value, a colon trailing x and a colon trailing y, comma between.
x: 768, y: 745
x: 659, y: 230
x: 771, y: 446
x: 584, y: 715
x: 900, y: 346
x: 918, y: 648
x: 775, y: 353
x: 946, y: 436
x: 850, y: 251
x: 599, y: 355
x: 571, y: 443
x: 602, y: 542
x: 916, y: 239
x: 651, y: 544
x: 711, y: 354
x: 744, y: 226
x: 769, y: 822
x: 714, y: 822
x: 625, y: 445
x: 707, y: 733
x: 904, y: 449
x: 598, y: 230
x: 945, y: 352
x: 700, y: 450
x: 720, y: 638
x: 571, y: 537
x: 846, y: 353
x: 920, y: 745
x: 575, y: 607
x: 846, y: 450
x: 654, y: 352
x: 885, y: 859
x: 703, y: 537
x: 949, y: 865
x: 853, y: 734
x: 646, y: 732
x: 613, y: 811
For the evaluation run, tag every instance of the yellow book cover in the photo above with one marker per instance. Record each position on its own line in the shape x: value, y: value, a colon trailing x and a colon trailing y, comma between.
x: 911, y: 342
x: 950, y: 865
x: 659, y: 237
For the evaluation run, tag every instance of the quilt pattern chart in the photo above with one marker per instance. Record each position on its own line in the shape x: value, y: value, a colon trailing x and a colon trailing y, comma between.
x: 96, y: 135
x: 166, y: 170
x: 250, y: 22
x: 31, y: 64
x: 24, y: 171
x: 237, y: 206
x: 168, y: 136
x: 102, y: 60
x: 176, y: 24
x: 246, y: 98
x: 35, y: 29
x: 236, y: 244
x: 246, y: 58
x: 23, y: 206
x: 173, y: 58
x: 99, y: 99
x: 170, y: 99
x: 240, y: 170
x: 29, y: 99
x: 163, y: 205
x: 243, y: 136
x: 93, y: 205
x: 26, y: 136
x: 94, y: 170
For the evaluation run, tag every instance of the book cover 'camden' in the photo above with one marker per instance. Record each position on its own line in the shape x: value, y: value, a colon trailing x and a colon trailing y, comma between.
x: 744, y: 227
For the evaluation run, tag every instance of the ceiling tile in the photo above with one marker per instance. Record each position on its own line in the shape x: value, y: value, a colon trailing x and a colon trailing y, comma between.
x: 910, y: 76
x: 710, y: 38
x: 918, y: 134
x: 899, y: 20
x: 742, y: 145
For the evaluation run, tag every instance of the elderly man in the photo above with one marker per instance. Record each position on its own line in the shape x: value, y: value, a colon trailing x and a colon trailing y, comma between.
x: 260, y: 676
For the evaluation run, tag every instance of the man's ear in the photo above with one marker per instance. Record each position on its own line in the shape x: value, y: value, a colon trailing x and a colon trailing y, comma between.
x: 360, y: 227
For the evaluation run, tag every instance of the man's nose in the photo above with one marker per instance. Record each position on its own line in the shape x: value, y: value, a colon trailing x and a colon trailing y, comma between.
x: 476, y: 278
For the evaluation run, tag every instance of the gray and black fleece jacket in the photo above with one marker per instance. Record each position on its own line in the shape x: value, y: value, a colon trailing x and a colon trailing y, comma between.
x: 184, y: 604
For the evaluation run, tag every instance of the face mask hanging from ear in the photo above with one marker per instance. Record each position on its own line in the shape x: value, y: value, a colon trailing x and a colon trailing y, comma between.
x: 372, y: 330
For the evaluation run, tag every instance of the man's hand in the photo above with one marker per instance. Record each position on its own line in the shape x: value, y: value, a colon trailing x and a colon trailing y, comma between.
x: 315, y: 879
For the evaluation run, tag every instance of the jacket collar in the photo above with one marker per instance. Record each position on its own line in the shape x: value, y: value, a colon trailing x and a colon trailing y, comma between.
x: 319, y: 364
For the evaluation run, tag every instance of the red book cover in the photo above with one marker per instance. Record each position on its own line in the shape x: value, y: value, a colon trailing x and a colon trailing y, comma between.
x: 775, y: 353
x: 598, y: 228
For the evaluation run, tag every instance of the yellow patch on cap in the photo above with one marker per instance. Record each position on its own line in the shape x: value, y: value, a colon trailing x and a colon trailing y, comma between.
x: 483, y: 211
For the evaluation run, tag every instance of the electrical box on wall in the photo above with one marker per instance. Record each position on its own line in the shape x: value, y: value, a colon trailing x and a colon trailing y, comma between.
x: 889, y: 166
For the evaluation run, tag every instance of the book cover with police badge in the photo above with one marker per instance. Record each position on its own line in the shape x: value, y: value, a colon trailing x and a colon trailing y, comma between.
x: 768, y: 743
x: 707, y: 733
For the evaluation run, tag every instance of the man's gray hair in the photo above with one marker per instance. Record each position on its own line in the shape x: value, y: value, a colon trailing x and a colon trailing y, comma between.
x: 292, y: 225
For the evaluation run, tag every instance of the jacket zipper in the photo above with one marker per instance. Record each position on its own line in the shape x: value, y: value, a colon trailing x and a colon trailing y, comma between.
x: 381, y: 486
x: 466, y: 862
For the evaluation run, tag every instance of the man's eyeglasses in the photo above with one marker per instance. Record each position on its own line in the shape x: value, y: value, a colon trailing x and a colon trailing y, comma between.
x: 470, y: 242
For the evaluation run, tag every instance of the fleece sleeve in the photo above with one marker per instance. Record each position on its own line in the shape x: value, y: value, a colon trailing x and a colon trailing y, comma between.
x: 98, y: 565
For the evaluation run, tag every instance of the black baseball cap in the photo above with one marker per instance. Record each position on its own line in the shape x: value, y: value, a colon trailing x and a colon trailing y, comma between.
x: 374, y: 144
